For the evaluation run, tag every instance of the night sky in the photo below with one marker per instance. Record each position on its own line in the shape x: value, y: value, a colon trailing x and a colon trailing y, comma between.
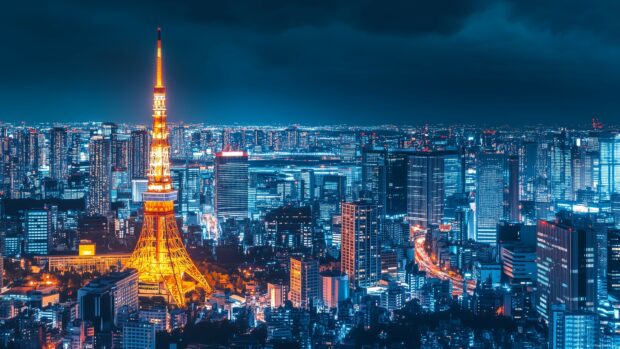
x: 313, y: 62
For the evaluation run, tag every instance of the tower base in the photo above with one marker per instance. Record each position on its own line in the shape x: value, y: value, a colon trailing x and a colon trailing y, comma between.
x: 153, y: 289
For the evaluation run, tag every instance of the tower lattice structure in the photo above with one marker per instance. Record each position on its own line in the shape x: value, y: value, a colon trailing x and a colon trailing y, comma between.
x: 160, y: 255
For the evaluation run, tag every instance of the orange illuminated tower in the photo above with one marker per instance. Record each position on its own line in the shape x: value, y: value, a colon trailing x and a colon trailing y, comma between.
x: 160, y: 256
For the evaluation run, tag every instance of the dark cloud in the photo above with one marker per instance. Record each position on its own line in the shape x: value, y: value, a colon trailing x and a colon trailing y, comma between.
x: 567, y: 16
x: 413, y: 17
x: 316, y: 61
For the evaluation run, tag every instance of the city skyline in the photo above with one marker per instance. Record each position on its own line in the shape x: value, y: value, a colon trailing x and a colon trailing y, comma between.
x: 349, y: 231
x: 400, y: 62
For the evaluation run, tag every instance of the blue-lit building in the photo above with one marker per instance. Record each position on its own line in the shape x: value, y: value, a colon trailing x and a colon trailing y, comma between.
x: 572, y: 329
x: 560, y: 169
x: 38, y: 227
x: 186, y: 180
x: 374, y: 174
x: 609, y: 151
x: 567, y: 269
x: 490, y: 179
x: 426, y: 189
x: 231, y: 185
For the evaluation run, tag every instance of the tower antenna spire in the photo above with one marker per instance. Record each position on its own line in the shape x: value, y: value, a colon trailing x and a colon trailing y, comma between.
x: 160, y: 80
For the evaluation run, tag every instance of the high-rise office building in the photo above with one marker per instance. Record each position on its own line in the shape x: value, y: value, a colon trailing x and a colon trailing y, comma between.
x: 585, y: 166
x: 28, y: 153
x: 58, y: 157
x: 528, y: 152
x: 566, y: 254
x: 139, y: 154
x: 121, y: 152
x: 1, y: 270
x: 613, y: 262
x: 290, y: 227
x: 489, y: 195
x: 374, y: 176
x: 186, y: 180
x: 74, y: 147
x: 307, y: 185
x: 396, y: 182
x: 38, y: 227
x: 609, y: 165
x: 572, y: 329
x: 614, y: 203
x: 101, y: 300
x: 453, y: 173
x: 513, y: 189
x: 178, y: 146
x: 360, y: 258
x: 560, y: 169
x: 426, y: 190
x: 304, y: 282
x: 100, y: 179
x: 231, y: 185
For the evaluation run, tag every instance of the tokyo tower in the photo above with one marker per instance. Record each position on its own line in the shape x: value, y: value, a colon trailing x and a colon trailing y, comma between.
x: 160, y: 256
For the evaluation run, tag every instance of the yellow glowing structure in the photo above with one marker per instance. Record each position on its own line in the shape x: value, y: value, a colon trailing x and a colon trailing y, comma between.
x: 86, y: 249
x: 160, y: 256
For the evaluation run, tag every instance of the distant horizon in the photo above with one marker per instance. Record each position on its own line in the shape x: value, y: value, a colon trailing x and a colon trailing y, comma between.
x: 147, y: 122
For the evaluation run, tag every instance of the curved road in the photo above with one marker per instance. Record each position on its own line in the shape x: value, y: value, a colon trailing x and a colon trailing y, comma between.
x: 426, y: 264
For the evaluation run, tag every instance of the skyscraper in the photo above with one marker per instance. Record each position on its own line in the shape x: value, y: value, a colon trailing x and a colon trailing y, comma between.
x: 426, y: 189
x: 139, y: 154
x: 585, y: 168
x: 609, y: 151
x: 178, y: 144
x: 304, y: 282
x: 231, y: 185
x: 374, y: 176
x: 307, y: 185
x: 290, y: 227
x: 527, y: 169
x: 58, y: 156
x: 38, y: 228
x: 186, y: 179
x: 489, y: 195
x: 120, y: 152
x: 100, y: 179
x: 453, y: 173
x: 513, y: 189
x: 396, y: 182
x: 28, y: 154
x: 613, y: 262
x: 360, y: 258
x: 560, y: 169
x: 567, y: 272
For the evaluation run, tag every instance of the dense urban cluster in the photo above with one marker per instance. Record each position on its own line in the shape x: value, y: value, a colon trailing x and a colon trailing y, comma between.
x: 314, y: 237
